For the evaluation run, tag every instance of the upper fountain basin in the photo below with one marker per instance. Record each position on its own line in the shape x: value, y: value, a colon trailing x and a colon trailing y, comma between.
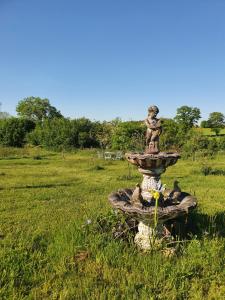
x: 151, y: 162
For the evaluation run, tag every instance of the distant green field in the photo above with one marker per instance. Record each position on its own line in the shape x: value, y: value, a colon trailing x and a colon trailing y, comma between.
x: 48, y: 249
x: 208, y: 131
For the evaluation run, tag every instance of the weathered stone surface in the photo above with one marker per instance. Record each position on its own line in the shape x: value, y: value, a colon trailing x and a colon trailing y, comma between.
x: 139, y: 204
x: 153, y: 164
x: 145, y: 212
x: 149, y: 238
x: 154, y: 130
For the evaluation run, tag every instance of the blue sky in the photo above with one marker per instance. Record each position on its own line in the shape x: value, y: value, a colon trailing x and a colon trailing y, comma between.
x: 113, y: 58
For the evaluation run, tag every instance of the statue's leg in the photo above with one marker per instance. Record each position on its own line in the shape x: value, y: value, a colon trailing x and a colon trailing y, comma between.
x: 155, y: 140
x: 148, y: 137
x: 155, y: 136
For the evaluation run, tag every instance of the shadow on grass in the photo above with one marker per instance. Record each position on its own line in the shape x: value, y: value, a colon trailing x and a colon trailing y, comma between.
x: 215, y: 135
x: 197, y: 224
x: 207, y: 225
x: 39, y: 186
x: 127, y: 177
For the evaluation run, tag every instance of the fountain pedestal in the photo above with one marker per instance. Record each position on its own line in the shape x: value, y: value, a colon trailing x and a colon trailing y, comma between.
x: 151, y: 166
x: 149, y: 237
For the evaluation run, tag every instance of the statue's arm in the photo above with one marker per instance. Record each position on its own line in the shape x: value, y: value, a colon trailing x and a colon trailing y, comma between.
x: 153, y: 125
x: 147, y: 123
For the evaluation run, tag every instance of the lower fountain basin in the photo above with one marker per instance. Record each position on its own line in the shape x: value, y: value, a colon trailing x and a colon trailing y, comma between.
x: 122, y: 200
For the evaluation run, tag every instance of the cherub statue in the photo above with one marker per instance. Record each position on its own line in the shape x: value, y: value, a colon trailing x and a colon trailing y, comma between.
x: 154, y: 130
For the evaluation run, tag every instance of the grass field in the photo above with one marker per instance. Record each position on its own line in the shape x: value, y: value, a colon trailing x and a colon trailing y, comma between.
x: 209, y: 132
x: 52, y: 248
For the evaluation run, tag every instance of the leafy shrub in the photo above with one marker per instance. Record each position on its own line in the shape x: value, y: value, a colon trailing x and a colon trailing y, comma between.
x: 129, y: 136
x: 64, y: 134
x: 37, y: 157
x: 207, y: 170
x: 221, y: 143
x: 13, y: 131
x: 198, y: 143
x: 171, y: 136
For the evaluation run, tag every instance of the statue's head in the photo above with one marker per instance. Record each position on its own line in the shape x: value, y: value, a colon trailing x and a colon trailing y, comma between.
x: 153, y: 110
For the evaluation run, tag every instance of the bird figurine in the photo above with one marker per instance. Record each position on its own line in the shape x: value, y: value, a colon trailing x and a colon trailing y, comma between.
x: 172, y: 196
x: 167, y: 193
x: 176, y: 192
x: 136, y: 197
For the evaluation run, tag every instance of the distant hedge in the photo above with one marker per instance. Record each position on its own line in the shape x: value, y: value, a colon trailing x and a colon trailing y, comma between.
x: 64, y: 133
x: 13, y: 131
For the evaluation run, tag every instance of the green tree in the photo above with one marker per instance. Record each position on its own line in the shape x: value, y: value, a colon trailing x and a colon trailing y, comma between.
x: 57, y: 133
x: 216, y: 121
x: 204, y: 124
x: 196, y: 142
x: 187, y: 116
x: 129, y: 136
x: 104, y: 133
x: 37, y: 109
x: 86, y: 132
x: 62, y: 133
x: 172, y: 136
x: 13, y: 131
x: 84, y: 139
x: 216, y: 130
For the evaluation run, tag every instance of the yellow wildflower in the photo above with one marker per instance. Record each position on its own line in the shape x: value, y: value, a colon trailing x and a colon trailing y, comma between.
x: 155, y: 194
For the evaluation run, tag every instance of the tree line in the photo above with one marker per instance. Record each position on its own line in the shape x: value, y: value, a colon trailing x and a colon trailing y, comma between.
x: 40, y: 124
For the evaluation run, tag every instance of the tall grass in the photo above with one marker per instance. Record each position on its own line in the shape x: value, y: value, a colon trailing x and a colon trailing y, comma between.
x: 52, y: 245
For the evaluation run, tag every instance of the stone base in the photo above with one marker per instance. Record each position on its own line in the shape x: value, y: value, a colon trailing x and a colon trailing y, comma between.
x: 149, y: 238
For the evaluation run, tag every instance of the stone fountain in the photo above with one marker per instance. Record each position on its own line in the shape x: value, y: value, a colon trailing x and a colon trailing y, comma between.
x: 150, y: 203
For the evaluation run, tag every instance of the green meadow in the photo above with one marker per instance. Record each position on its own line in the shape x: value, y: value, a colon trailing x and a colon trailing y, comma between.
x: 209, y: 132
x: 56, y: 227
